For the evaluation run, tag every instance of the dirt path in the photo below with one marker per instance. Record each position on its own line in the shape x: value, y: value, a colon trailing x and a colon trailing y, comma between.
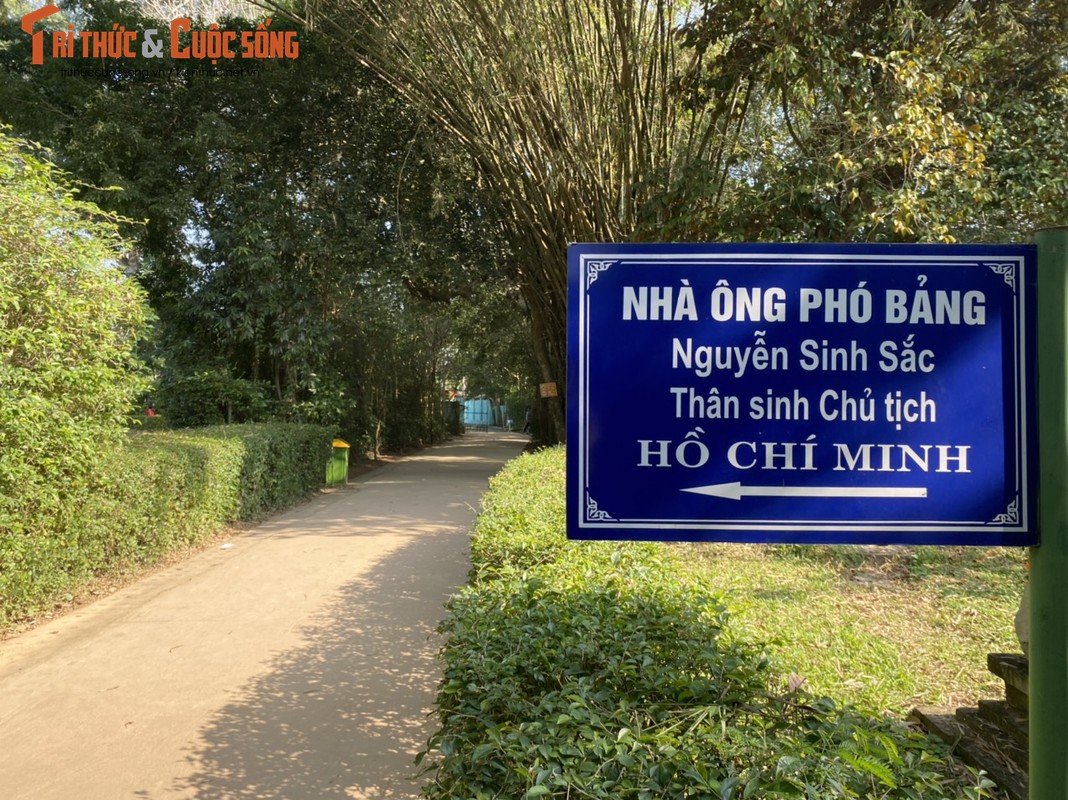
x: 297, y: 664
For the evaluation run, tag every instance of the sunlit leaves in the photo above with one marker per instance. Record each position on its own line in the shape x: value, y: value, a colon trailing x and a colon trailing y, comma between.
x: 69, y: 322
x: 887, y: 121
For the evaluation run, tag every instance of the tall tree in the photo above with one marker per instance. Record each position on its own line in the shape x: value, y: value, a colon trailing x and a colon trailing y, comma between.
x: 292, y: 216
x: 612, y: 119
x: 565, y: 108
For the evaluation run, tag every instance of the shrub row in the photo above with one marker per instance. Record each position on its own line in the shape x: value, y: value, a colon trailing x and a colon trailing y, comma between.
x: 280, y: 463
x: 594, y: 670
x: 155, y: 493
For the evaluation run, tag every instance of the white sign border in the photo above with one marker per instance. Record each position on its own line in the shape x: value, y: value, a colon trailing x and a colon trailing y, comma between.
x: 1012, y: 267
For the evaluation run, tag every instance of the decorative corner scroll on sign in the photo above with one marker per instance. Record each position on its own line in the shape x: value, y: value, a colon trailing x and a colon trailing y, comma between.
x: 595, y: 268
x: 1011, y: 515
x: 594, y: 514
x: 1006, y: 271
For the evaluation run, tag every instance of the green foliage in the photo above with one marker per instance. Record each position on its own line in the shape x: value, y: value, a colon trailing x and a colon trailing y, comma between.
x: 300, y: 222
x: 280, y: 463
x: 154, y: 493
x: 303, y: 229
x: 162, y: 491
x: 211, y: 397
x: 734, y: 120
x: 400, y: 357
x: 493, y: 350
x: 597, y: 670
x: 893, y: 121
x: 510, y: 534
x: 157, y: 492
x: 69, y: 323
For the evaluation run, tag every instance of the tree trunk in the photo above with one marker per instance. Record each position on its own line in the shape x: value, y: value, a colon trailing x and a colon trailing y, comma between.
x: 550, y: 350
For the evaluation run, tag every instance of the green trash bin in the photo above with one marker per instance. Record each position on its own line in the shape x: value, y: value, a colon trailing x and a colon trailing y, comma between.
x: 337, y: 468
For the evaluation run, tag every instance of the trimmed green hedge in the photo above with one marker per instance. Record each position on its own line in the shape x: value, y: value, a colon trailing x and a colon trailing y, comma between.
x: 594, y: 670
x: 157, y: 492
x: 281, y: 463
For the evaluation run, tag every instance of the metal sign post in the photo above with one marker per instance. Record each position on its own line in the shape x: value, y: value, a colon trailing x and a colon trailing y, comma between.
x: 1048, y: 652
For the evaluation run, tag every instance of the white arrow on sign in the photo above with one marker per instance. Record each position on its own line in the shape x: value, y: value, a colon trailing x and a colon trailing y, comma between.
x: 735, y: 491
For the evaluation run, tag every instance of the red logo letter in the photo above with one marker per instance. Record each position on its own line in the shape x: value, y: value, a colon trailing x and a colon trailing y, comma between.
x: 38, y: 38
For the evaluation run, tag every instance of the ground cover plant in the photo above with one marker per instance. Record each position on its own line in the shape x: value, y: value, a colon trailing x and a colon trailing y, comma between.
x: 614, y: 671
x: 888, y: 628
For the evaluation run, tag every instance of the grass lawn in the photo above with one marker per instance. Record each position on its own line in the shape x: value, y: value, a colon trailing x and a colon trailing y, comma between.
x: 884, y: 628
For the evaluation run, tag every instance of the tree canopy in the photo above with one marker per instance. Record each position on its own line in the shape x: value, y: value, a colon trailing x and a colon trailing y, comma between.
x: 302, y: 225
x: 735, y: 119
x: 420, y: 155
x: 884, y: 121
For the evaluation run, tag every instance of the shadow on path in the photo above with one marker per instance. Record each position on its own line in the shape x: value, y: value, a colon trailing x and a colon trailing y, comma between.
x: 295, y: 662
x: 329, y: 718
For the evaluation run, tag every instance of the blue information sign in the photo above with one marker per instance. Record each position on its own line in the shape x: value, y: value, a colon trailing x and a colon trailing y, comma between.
x: 878, y: 394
